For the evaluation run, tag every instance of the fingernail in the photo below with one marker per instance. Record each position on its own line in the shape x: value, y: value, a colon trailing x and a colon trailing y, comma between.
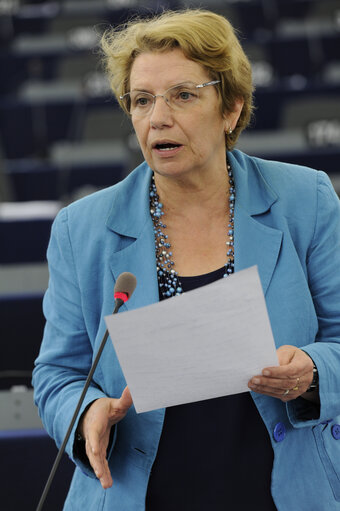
x: 255, y: 381
x: 266, y: 373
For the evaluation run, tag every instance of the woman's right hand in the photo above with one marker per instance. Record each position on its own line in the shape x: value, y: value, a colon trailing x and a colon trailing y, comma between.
x: 95, y: 426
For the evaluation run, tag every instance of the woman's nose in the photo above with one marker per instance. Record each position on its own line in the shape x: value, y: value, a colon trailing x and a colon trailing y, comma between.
x: 161, y: 113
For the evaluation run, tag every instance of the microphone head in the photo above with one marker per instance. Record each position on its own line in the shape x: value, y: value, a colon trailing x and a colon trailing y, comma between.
x: 126, y: 284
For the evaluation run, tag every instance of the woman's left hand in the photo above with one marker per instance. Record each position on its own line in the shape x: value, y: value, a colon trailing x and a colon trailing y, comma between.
x: 290, y: 379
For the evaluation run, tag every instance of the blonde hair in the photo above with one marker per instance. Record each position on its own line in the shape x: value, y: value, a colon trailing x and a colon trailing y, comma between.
x: 203, y: 36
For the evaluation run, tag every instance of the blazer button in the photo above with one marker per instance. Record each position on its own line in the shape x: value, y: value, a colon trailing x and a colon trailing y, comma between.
x: 336, y: 431
x: 279, y: 432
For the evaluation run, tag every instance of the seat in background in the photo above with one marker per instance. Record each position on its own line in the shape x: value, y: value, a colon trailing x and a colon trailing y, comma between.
x: 29, y: 454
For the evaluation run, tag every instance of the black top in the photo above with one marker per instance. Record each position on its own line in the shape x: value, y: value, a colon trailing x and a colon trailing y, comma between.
x: 214, y: 454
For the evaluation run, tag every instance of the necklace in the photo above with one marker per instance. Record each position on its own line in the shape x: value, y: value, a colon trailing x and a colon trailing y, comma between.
x: 168, y: 279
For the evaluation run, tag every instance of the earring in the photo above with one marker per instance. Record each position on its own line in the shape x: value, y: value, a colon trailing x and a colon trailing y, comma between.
x: 230, y: 130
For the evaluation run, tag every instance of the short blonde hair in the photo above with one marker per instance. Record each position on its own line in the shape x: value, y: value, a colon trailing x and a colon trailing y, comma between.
x: 204, y: 37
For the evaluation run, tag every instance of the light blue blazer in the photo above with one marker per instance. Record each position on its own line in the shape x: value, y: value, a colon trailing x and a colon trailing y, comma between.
x: 287, y: 222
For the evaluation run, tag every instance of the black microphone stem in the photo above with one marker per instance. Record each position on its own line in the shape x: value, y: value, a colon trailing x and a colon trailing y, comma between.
x: 118, y: 303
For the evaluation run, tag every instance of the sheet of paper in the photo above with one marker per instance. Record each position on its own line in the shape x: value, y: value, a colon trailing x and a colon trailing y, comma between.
x: 203, y: 344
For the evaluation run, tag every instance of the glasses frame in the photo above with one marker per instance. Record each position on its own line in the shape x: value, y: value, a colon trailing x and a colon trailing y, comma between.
x: 154, y: 96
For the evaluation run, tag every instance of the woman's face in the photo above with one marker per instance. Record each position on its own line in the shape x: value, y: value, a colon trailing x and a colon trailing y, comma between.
x: 181, y: 141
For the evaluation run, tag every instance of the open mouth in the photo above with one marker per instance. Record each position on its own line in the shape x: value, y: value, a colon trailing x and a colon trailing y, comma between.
x: 166, y: 147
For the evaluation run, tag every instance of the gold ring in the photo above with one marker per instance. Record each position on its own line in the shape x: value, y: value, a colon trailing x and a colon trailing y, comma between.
x: 297, y: 384
x: 286, y: 392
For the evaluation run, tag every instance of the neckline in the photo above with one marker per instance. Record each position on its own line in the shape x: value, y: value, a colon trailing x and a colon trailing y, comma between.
x: 201, y: 276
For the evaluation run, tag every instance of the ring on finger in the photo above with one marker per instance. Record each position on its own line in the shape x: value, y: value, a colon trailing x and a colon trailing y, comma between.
x: 286, y: 392
x: 297, y: 384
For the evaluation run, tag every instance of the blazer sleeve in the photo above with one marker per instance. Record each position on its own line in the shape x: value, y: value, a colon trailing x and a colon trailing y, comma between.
x: 66, y: 353
x: 323, y: 267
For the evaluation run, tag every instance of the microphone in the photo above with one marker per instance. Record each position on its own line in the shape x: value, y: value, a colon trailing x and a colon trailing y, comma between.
x: 124, y: 287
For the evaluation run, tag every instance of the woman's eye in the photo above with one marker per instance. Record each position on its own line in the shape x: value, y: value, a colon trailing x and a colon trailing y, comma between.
x: 141, y: 101
x: 185, y: 95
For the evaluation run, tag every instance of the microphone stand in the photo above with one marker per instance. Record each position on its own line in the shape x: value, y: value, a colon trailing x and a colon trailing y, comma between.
x: 118, y: 303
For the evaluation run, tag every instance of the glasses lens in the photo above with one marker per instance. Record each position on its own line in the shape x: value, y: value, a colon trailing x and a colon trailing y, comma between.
x: 140, y: 102
x: 182, y: 96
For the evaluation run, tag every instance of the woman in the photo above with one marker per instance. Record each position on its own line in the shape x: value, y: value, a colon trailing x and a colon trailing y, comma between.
x: 193, y: 212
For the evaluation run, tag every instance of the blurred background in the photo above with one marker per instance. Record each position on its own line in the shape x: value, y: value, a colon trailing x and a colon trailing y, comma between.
x: 62, y: 136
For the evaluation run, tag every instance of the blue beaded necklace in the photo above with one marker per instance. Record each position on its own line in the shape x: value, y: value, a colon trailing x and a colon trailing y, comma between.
x: 168, y: 280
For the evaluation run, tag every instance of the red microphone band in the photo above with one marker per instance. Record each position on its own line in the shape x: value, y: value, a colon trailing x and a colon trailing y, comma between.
x: 122, y: 296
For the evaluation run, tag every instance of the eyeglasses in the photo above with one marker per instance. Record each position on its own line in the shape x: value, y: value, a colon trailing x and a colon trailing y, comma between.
x: 179, y: 97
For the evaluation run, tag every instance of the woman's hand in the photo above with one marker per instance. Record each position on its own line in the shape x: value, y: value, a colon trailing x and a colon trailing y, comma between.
x: 294, y: 374
x: 95, y: 426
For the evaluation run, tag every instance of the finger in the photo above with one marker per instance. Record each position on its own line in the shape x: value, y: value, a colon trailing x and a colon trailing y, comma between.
x: 105, y: 477
x: 125, y: 400
x: 103, y: 473
x: 279, y: 386
x: 277, y: 383
x: 289, y: 372
x: 279, y: 391
x: 96, y: 453
x: 119, y: 407
x: 259, y: 385
x: 282, y: 395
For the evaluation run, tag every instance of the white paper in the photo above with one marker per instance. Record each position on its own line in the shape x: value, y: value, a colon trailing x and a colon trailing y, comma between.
x: 203, y: 344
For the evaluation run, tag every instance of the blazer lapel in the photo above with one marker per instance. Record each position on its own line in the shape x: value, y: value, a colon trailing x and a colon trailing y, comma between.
x: 130, y: 218
x: 255, y: 242
x: 139, y: 259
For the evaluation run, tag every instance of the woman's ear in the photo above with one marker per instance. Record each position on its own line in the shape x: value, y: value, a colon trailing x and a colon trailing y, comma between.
x: 231, y: 118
